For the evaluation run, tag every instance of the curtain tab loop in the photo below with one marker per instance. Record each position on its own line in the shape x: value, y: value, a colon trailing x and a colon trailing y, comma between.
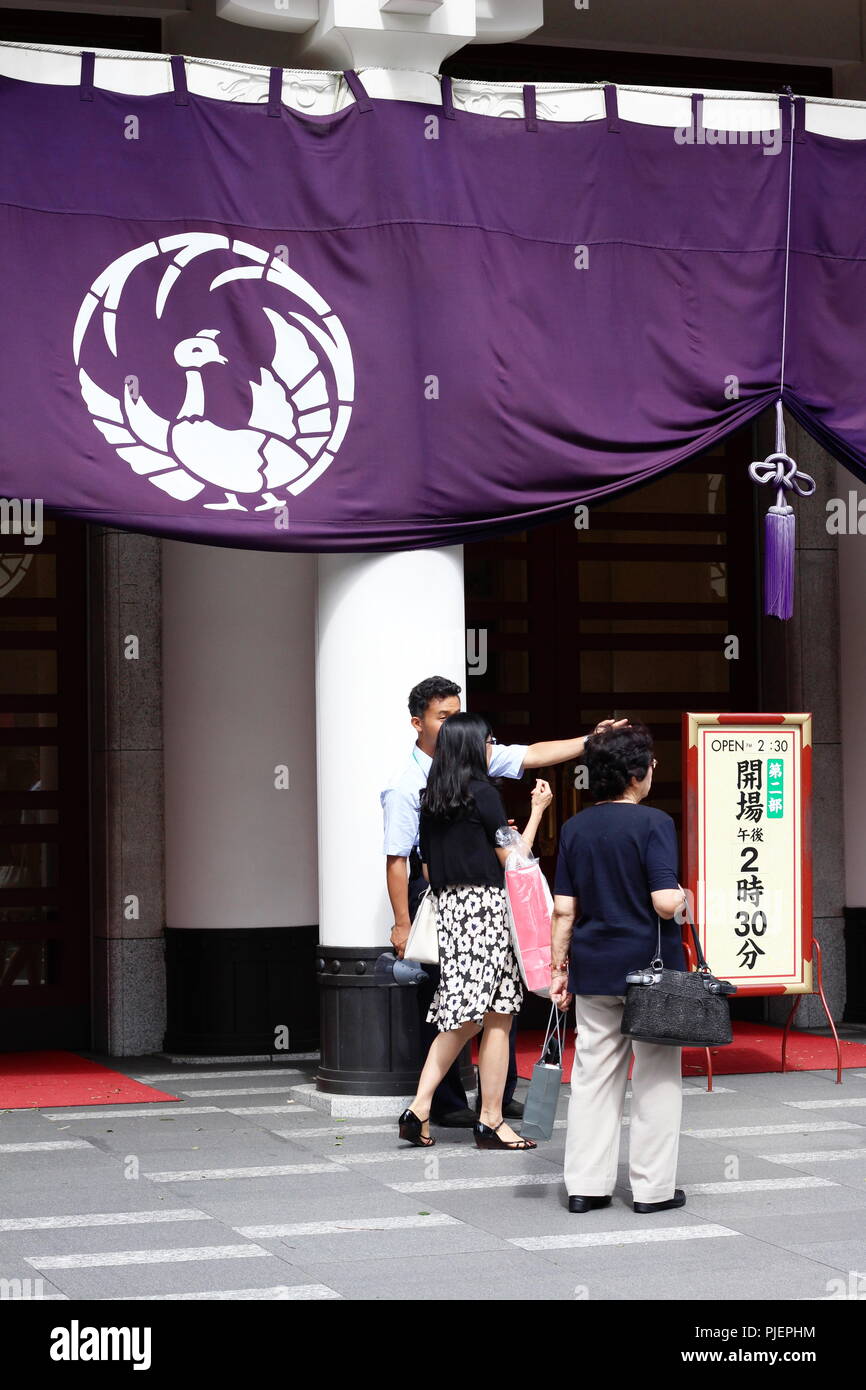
x: 530, y: 118
x: 88, y: 66
x: 447, y: 98
x: 786, y: 114
x: 611, y: 108
x: 800, y: 120
x: 358, y: 90
x: 178, y: 77
x: 275, y: 92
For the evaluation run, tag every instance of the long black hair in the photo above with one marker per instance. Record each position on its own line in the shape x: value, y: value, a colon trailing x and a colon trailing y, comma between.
x: 460, y: 756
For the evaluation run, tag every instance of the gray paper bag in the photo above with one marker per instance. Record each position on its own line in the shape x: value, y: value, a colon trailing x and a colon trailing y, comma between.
x: 539, y: 1109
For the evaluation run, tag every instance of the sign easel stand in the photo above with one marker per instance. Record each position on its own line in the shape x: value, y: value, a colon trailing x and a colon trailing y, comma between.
x: 819, y: 992
x: 816, y: 947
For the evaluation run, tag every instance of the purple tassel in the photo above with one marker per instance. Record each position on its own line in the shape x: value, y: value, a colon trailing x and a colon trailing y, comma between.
x: 779, y: 547
x: 780, y: 471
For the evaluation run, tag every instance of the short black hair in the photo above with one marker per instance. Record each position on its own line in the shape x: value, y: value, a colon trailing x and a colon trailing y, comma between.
x: 614, y: 756
x: 434, y: 688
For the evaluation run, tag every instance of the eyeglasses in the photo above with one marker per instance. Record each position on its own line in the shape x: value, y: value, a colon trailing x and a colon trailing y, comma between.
x: 491, y: 739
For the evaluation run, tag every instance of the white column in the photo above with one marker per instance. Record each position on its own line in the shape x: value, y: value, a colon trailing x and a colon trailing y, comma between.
x: 384, y: 623
x: 238, y: 703
x: 852, y: 683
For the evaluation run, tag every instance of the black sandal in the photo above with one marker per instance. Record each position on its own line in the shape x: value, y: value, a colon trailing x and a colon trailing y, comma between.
x: 410, y: 1128
x: 487, y: 1138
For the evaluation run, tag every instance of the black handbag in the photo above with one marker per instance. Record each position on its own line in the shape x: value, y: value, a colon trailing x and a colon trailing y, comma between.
x: 685, y: 1008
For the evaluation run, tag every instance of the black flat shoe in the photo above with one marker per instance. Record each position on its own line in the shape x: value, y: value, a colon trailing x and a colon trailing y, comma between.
x: 454, y: 1119
x: 487, y: 1138
x: 587, y: 1203
x: 678, y: 1200
x: 410, y: 1128
x: 513, y: 1110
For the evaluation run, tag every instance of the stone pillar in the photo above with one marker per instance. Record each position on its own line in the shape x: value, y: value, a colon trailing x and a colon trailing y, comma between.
x: 801, y: 671
x: 852, y: 614
x: 384, y: 622
x: 127, y: 819
x: 240, y: 809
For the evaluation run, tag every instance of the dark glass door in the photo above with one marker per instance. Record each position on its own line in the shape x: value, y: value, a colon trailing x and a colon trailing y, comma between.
x: 650, y: 611
x: 44, y: 877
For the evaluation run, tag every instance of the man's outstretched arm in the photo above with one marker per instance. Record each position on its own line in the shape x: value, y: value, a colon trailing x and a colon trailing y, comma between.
x: 563, y: 750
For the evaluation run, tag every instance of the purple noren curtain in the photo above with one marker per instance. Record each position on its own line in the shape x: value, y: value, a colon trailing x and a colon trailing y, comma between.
x: 236, y: 323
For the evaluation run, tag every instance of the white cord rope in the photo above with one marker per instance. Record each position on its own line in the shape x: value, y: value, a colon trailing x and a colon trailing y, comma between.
x: 779, y: 469
x: 787, y: 262
x: 136, y: 57
x: 262, y: 70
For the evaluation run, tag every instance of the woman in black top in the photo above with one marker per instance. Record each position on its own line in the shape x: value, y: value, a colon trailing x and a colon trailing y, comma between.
x: 616, y: 878
x: 479, y: 988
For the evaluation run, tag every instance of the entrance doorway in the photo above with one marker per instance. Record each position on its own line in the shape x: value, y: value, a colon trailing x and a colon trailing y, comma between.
x: 44, y: 875
x: 649, y: 610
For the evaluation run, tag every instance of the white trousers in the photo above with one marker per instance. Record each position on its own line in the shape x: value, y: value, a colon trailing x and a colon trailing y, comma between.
x: 598, y: 1083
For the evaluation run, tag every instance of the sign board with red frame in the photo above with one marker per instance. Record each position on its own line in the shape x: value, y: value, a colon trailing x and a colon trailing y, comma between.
x: 747, y: 849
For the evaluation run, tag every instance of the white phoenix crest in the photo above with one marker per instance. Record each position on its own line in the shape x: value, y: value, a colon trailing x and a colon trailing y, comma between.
x: 297, y: 421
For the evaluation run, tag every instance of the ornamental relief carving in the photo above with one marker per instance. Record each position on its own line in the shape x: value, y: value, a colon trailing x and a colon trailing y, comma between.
x: 548, y: 105
x: 309, y: 94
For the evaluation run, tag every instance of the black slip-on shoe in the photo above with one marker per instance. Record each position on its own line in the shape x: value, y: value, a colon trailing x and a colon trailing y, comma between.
x: 513, y: 1110
x: 587, y: 1203
x: 678, y: 1200
x: 454, y: 1119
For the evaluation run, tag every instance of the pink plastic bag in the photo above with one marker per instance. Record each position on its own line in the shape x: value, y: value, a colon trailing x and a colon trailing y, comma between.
x: 529, y: 910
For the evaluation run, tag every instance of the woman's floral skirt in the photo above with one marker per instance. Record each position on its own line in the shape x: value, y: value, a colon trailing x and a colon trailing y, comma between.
x: 479, y: 973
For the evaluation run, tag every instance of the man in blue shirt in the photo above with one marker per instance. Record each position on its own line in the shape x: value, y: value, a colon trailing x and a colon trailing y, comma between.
x: 431, y: 702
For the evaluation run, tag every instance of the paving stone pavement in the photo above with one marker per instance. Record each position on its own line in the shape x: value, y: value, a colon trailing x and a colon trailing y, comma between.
x: 239, y: 1192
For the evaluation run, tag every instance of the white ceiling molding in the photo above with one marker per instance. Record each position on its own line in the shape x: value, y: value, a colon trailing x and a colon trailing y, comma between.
x: 391, y: 34
x: 115, y: 9
x: 293, y: 15
x: 506, y: 21
x: 410, y: 6
x: 322, y: 92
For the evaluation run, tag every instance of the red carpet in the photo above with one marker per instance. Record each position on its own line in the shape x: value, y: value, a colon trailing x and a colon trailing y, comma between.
x: 50, y: 1079
x: 757, y: 1047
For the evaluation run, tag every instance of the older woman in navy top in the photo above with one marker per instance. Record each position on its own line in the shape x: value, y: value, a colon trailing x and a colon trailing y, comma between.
x: 616, y: 877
